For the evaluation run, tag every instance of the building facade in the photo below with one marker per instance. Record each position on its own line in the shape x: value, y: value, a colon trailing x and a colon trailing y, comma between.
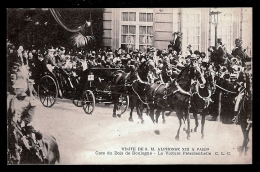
x: 140, y: 28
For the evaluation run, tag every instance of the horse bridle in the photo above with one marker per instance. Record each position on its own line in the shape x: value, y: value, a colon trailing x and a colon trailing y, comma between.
x: 206, y: 100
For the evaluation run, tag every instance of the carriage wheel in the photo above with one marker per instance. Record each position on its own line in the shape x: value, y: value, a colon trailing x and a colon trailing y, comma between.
x: 122, y: 104
x: 47, y: 91
x: 88, y: 101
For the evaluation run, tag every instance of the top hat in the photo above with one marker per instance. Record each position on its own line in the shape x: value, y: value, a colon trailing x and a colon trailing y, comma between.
x: 152, y: 49
x: 202, y: 54
x: 193, y: 57
x: 110, y: 53
x: 61, y: 48
x: 219, y: 40
x: 51, y: 48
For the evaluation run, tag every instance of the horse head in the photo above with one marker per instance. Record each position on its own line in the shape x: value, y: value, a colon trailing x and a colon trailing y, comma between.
x: 142, y: 70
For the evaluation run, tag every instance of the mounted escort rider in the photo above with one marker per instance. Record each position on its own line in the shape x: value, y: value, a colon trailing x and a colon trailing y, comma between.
x: 21, y: 111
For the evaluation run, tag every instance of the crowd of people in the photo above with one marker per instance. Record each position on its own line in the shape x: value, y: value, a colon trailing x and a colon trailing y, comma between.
x: 26, y: 66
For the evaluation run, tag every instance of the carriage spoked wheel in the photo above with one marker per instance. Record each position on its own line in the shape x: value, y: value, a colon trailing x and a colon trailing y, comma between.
x: 47, y: 91
x: 122, y: 104
x: 88, y: 101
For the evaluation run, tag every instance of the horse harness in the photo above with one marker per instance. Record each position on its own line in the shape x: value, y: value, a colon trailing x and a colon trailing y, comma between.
x: 207, y: 100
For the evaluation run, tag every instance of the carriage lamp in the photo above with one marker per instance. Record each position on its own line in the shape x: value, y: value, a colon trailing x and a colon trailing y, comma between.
x: 214, y: 21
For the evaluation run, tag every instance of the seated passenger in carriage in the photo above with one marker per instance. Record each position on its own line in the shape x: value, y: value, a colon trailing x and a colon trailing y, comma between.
x: 60, y: 57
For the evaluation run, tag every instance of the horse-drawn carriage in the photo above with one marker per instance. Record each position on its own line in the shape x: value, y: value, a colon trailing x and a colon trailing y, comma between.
x: 85, y: 88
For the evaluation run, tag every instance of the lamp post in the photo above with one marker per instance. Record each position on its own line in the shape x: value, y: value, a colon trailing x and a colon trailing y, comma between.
x: 214, y: 20
x: 27, y: 21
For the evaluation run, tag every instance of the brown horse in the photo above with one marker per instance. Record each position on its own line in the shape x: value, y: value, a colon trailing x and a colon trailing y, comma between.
x: 175, y: 95
x: 46, y: 151
x: 119, y: 86
x: 244, y: 114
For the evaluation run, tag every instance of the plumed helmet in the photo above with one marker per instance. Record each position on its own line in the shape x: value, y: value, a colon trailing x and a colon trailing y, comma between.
x: 193, y: 57
x: 152, y: 49
x: 238, y: 41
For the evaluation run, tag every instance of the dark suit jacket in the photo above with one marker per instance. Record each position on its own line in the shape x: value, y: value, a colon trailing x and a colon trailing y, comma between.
x: 220, y: 54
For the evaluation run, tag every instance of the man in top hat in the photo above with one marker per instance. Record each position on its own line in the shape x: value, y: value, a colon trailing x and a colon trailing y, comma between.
x: 220, y: 52
x: 60, y: 58
x: 49, y: 58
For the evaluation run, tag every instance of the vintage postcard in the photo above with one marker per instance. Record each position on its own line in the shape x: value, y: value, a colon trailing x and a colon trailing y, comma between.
x: 123, y: 86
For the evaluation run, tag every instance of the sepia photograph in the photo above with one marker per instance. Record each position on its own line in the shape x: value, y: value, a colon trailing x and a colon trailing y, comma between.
x: 129, y: 86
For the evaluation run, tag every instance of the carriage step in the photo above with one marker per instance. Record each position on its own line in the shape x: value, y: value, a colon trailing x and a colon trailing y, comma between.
x: 105, y: 102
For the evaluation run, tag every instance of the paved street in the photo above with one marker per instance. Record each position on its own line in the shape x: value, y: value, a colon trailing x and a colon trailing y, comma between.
x: 83, y: 139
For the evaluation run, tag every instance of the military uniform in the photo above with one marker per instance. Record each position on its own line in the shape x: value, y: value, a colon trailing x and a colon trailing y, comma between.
x: 239, y: 52
x: 227, y: 100
x: 21, y: 110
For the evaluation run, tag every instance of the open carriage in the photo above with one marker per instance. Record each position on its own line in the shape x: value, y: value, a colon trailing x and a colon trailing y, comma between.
x: 85, y: 89
x: 56, y: 82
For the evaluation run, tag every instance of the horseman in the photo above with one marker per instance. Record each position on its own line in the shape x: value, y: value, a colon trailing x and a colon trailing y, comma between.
x: 166, y: 72
x: 153, y: 74
x: 220, y: 52
x: 177, y: 42
x: 228, y: 96
x: 239, y: 52
x: 21, y: 111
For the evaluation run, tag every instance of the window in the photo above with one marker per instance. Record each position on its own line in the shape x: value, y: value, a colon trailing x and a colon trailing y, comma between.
x: 126, y: 16
x: 145, y: 37
x: 191, y: 29
x: 225, y: 27
x: 128, y: 37
x: 136, y: 29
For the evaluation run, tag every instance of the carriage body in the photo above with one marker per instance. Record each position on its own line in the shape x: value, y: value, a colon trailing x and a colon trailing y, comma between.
x: 57, y: 82
x: 101, y: 82
x: 85, y: 88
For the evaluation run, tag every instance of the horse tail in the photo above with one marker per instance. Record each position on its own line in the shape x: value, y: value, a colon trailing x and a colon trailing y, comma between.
x: 57, y: 153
